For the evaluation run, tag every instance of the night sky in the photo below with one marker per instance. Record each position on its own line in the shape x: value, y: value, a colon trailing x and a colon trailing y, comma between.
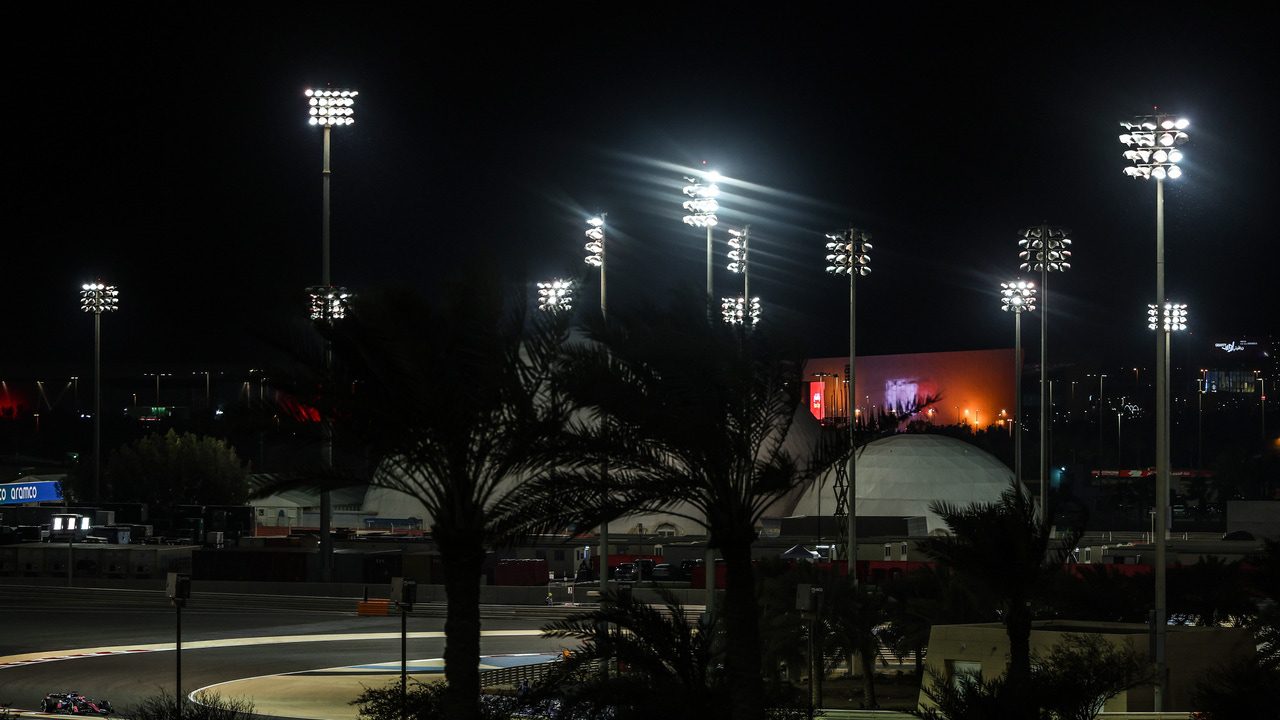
x: 170, y: 155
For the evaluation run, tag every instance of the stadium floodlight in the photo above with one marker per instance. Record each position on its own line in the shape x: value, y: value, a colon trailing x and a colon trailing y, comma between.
x: 736, y: 311
x: 595, y: 241
x: 1169, y: 317
x: 329, y: 303
x: 1017, y: 296
x: 326, y: 108
x: 1044, y: 248
x: 331, y: 107
x: 702, y: 207
x: 555, y: 295
x: 97, y: 298
x: 849, y: 253
x: 1153, y: 142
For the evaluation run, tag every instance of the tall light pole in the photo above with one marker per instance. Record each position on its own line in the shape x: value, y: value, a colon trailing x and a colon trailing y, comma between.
x: 328, y: 107
x: 848, y: 253
x: 1044, y: 249
x: 1165, y: 318
x: 1017, y: 296
x: 596, y: 237
x: 1262, y: 400
x: 98, y: 298
x: 1152, y: 142
x: 702, y: 207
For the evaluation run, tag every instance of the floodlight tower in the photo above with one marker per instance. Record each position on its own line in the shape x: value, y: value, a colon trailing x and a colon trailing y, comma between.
x: 1017, y: 296
x: 1165, y: 319
x: 596, y: 236
x: 1044, y: 248
x: 848, y: 253
x: 1153, y: 142
x: 702, y: 208
x: 328, y: 107
x: 97, y: 298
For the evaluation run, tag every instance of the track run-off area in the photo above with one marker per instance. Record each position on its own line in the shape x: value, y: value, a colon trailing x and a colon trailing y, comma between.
x: 292, y: 658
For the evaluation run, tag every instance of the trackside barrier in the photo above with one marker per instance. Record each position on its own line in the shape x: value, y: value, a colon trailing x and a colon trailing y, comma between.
x: 377, y: 608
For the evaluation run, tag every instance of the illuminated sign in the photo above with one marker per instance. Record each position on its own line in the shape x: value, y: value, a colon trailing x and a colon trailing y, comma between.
x: 816, y: 398
x: 1234, y: 345
x: 29, y: 492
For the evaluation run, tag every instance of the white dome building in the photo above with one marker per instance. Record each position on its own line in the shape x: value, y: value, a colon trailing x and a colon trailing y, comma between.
x: 899, y: 476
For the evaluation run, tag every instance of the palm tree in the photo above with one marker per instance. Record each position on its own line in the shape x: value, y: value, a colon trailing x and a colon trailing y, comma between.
x: 456, y: 406
x: 667, y: 665
x: 692, y: 418
x: 1005, y: 549
x: 923, y: 598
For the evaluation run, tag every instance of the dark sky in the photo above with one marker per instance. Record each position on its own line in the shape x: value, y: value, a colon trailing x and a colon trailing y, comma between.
x: 169, y: 154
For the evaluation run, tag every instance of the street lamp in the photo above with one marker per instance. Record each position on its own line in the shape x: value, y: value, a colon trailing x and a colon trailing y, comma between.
x: 327, y: 108
x: 1044, y: 249
x: 1165, y: 318
x: 98, y: 298
x: 1151, y: 143
x: 702, y: 208
x: 848, y: 253
x: 1017, y: 297
x: 555, y: 295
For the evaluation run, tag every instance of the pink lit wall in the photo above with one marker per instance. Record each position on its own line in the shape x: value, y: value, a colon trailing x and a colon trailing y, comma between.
x: 976, y: 386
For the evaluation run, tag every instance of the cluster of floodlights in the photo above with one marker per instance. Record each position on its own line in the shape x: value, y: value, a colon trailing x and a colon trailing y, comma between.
x: 1043, y: 247
x: 555, y: 295
x: 849, y: 252
x: 738, y: 249
x: 1169, y: 317
x: 1153, y: 141
x: 595, y: 233
x: 1017, y: 296
x: 737, y: 312
x: 99, y: 298
x: 329, y: 303
x: 702, y: 205
x: 332, y: 107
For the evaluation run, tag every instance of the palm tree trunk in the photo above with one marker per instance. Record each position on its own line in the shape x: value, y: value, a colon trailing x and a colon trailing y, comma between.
x: 868, y: 652
x: 1018, y: 628
x: 462, y: 562
x: 742, y: 629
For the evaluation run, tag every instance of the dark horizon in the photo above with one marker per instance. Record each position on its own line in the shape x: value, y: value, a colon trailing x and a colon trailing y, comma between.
x: 171, y: 157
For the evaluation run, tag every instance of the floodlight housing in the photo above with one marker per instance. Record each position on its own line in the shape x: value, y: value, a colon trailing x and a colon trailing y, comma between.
x: 1017, y: 296
x: 1043, y: 247
x: 329, y: 303
x: 98, y: 298
x: 848, y: 252
x: 701, y: 205
x: 555, y: 295
x: 738, y: 248
x: 595, y: 246
x: 736, y: 310
x: 1153, y: 140
x: 1169, y: 317
x: 331, y: 107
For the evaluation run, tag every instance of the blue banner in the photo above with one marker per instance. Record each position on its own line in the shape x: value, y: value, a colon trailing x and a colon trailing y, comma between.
x: 29, y: 492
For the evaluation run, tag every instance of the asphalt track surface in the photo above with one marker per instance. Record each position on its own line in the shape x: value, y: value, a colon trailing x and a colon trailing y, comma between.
x: 264, y: 643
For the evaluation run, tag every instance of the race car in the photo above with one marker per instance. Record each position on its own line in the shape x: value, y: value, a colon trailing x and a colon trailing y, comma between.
x: 73, y: 703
